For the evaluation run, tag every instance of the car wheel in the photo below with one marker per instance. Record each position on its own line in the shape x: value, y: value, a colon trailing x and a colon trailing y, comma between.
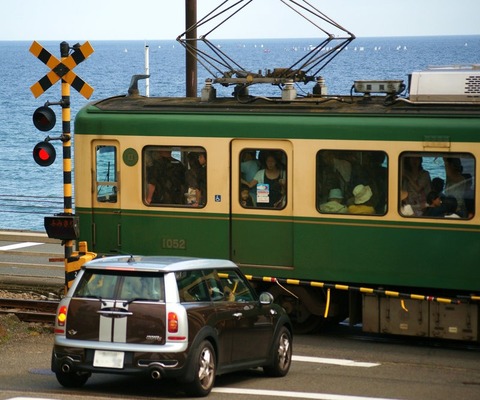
x: 205, y: 368
x: 282, y: 354
x: 72, y: 379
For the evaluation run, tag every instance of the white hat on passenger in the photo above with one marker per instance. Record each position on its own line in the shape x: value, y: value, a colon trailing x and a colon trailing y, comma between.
x: 362, y: 194
x: 335, y: 194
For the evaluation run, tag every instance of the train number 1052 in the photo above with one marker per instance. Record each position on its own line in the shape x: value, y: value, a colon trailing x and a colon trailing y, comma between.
x: 169, y: 243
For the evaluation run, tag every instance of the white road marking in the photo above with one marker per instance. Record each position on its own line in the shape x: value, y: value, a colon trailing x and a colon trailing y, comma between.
x: 19, y: 245
x: 335, y: 361
x: 298, y: 395
x: 28, y: 398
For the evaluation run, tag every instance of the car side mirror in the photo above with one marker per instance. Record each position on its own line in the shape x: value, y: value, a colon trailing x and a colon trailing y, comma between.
x: 266, y: 298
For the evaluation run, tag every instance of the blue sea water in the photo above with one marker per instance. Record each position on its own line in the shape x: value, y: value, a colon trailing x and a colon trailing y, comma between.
x: 29, y: 192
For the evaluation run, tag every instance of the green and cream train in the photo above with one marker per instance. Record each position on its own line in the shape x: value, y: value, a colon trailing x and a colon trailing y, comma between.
x: 360, y: 206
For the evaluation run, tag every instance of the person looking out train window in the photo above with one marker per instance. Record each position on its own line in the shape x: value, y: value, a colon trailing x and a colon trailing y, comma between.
x: 270, y: 183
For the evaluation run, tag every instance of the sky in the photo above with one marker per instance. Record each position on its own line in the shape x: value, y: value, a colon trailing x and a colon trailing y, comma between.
x: 164, y: 19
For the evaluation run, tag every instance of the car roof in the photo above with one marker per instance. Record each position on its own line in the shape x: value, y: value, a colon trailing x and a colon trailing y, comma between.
x: 157, y: 263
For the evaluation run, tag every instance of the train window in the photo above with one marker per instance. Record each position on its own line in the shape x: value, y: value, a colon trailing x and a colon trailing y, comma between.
x: 106, y: 175
x: 437, y: 185
x: 175, y: 176
x: 353, y: 182
x: 263, y: 178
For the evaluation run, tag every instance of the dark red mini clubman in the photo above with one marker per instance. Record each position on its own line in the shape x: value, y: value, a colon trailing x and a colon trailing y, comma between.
x: 167, y: 317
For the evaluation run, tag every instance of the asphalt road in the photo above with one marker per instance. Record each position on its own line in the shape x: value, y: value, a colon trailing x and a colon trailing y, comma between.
x: 335, y: 365
x: 325, y: 367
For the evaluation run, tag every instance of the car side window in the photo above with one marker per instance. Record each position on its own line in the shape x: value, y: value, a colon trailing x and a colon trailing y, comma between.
x: 192, y: 286
x: 234, y: 287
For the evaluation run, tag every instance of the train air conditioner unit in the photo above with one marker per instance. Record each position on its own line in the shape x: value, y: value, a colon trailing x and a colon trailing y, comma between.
x: 446, y: 84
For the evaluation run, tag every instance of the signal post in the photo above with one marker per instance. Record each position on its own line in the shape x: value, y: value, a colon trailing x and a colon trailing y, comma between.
x: 62, y: 226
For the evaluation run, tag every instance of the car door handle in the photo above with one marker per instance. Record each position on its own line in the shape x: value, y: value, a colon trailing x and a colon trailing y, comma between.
x: 114, y: 314
x: 237, y: 315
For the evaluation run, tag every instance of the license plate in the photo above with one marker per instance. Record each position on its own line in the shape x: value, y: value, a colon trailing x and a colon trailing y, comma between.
x: 108, y: 359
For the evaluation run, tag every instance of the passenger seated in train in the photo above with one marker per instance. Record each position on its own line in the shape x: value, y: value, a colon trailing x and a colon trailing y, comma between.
x: 334, y: 203
x: 435, y: 207
x: 405, y: 209
x: 361, y: 200
x: 450, y: 205
x: 333, y: 173
x: 165, y: 179
x: 438, y: 185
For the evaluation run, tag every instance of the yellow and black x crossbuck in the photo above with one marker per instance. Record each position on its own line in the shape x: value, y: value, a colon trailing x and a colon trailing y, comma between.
x: 62, y: 69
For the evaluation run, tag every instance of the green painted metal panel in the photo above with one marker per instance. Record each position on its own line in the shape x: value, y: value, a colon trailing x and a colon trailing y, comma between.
x: 279, y: 126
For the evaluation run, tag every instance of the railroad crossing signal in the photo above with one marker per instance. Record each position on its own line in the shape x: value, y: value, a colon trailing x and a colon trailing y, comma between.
x: 62, y: 69
x: 61, y: 226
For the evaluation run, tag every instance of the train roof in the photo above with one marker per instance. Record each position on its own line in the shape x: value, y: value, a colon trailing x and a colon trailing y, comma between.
x: 438, y: 90
x: 331, y: 104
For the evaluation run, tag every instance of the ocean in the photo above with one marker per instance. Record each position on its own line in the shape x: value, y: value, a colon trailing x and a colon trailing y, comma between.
x: 29, y: 192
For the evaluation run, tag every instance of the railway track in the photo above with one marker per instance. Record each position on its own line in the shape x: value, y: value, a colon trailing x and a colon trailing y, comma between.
x: 30, y: 310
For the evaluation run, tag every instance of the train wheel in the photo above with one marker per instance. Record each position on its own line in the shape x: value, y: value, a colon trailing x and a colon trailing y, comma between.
x: 296, y: 301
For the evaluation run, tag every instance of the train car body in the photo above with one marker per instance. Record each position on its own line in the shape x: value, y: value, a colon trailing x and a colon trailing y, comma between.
x: 169, y: 176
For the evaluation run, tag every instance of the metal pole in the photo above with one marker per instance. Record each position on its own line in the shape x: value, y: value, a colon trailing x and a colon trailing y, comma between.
x: 67, y: 163
x: 190, y: 61
x: 147, y: 70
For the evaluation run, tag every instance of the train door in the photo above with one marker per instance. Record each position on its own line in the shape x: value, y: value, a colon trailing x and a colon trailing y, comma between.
x: 261, y: 203
x: 106, y: 210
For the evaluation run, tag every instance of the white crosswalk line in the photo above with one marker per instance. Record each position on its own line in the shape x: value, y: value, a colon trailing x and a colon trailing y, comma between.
x: 19, y: 246
x: 335, y: 361
x: 291, y: 394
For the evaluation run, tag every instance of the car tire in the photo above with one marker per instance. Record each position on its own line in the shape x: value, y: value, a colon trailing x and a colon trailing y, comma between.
x: 282, y: 354
x: 204, y: 366
x: 72, y: 379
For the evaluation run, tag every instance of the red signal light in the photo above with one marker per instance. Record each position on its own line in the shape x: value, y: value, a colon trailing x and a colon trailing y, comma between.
x: 44, y: 154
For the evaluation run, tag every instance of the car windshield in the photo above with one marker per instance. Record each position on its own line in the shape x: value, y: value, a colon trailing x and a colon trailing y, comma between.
x: 125, y: 286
